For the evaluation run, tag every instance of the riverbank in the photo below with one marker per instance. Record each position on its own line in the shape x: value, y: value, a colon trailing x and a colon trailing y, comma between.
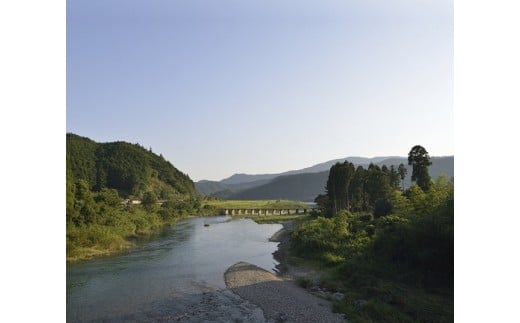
x: 96, y: 241
x: 278, y: 295
x: 281, y: 300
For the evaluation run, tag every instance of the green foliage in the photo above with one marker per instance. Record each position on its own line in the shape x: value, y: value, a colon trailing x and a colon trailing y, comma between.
x: 400, y: 262
x: 422, y: 243
x: 420, y: 160
x: 108, y: 197
x: 383, y: 207
x: 98, y: 221
x: 337, y: 187
x: 322, y: 234
x: 402, y: 173
x: 358, y: 189
x: 272, y: 218
x: 128, y: 168
x: 304, y: 282
x: 149, y: 199
x: 377, y: 184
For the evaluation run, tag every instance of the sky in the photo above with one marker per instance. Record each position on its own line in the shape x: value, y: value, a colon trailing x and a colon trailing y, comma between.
x: 224, y: 87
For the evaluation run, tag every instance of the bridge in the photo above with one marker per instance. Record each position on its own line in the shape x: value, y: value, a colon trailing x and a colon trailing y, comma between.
x: 244, y: 211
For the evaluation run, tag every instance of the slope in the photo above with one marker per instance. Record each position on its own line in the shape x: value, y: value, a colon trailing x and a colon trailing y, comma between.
x: 128, y: 168
x: 307, y: 186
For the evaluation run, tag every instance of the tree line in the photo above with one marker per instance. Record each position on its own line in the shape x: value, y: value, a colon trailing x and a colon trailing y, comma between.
x: 100, y: 175
x: 359, y: 189
x: 390, y: 247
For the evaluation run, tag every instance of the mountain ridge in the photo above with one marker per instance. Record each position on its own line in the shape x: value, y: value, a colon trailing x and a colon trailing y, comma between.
x: 440, y: 164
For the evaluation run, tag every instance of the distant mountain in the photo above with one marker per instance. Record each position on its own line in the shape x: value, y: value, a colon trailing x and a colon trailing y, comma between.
x: 238, y: 182
x: 245, y: 178
x: 128, y: 168
x: 328, y: 164
x: 302, y: 187
x: 222, y: 190
x: 206, y: 187
x: 307, y: 185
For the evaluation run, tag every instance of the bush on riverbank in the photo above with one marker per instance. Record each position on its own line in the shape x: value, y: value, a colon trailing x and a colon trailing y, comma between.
x: 98, y: 223
x: 398, y: 267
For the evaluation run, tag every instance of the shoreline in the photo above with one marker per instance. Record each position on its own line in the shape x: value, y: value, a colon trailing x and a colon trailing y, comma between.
x: 284, y: 242
x: 278, y: 296
x: 281, y: 300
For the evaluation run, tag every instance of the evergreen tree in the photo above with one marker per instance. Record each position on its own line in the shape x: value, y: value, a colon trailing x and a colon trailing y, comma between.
x: 338, y: 183
x: 420, y: 160
x: 394, y: 178
x: 402, y: 173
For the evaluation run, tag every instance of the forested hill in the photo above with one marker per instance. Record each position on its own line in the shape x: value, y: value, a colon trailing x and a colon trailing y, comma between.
x: 128, y: 168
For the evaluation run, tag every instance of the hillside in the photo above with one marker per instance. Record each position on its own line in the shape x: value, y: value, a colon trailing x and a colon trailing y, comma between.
x: 128, y: 168
x: 239, y: 182
x: 223, y: 190
x: 306, y: 186
x: 301, y: 187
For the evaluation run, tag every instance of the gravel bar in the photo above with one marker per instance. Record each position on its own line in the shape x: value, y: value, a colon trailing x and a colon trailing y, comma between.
x: 280, y: 300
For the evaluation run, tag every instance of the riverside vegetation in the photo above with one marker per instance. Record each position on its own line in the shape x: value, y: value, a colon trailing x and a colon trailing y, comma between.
x: 389, y: 251
x: 100, y: 175
x: 103, y: 179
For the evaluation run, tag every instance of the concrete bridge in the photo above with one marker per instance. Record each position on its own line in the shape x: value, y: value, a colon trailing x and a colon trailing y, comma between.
x: 242, y: 211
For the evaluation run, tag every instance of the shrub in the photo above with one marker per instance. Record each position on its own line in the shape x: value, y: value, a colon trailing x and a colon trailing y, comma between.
x: 383, y: 207
x: 322, y: 234
x: 304, y: 282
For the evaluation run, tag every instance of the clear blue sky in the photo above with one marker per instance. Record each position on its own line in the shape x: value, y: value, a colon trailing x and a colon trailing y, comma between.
x: 220, y: 87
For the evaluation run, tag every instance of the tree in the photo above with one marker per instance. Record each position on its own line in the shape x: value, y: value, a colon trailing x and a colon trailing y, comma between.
x: 108, y: 197
x: 383, y: 207
x: 394, y: 178
x: 338, y: 183
x: 149, y: 199
x: 322, y: 201
x: 71, y: 192
x: 420, y: 160
x: 402, y: 173
x: 358, y: 189
x: 84, y: 203
x: 377, y: 184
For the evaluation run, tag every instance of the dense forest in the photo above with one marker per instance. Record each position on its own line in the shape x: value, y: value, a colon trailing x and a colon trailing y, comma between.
x: 390, y: 250
x: 102, y: 181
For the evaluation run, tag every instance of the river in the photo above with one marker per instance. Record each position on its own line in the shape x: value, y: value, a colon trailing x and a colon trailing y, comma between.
x: 165, y: 276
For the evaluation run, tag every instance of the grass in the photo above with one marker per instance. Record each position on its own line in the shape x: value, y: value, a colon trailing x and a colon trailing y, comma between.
x: 119, y: 232
x: 260, y: 219
x: 370, y: 297
x: 391, y: 301
x: 258, y: 204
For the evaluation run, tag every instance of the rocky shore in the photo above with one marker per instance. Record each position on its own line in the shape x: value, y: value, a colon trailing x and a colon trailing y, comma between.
x: 252, y: 295
x: 281, y: 300
x: 277, y: 295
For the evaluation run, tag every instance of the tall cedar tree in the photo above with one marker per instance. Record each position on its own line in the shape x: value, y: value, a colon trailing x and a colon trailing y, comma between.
x: 338, y: 183
x: 420, y: 160
x: 402, y: 173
